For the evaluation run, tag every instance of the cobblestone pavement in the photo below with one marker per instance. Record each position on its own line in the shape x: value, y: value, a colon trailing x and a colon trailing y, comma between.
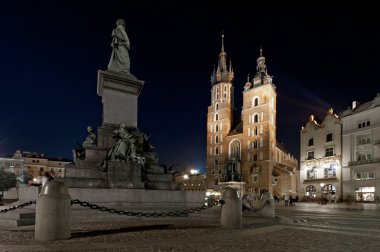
x: 294, y: 229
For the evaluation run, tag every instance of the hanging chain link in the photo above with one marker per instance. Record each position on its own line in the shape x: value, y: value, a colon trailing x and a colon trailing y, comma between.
x: 22, y: 205
x: 181, y: 213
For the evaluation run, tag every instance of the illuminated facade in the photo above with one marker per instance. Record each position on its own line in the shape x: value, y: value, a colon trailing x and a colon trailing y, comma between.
x: 190, y: 181
x: 34, y: 164
x: 244, y: 153
x: 321, y: 157
x: 361, y: 151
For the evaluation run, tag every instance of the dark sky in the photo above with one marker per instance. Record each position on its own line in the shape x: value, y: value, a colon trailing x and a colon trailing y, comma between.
x: 50, y: 53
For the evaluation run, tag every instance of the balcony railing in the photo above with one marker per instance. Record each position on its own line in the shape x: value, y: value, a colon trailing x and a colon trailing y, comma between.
x: 366, y: 161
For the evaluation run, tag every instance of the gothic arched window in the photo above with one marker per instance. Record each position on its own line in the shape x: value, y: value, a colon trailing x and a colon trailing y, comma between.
x: 235, y: 150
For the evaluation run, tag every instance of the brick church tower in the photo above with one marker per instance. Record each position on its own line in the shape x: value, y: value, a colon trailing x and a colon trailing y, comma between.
x: 243, y: 152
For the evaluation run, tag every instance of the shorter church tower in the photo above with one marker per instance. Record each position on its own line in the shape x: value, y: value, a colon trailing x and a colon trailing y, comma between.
x: 259, y: 129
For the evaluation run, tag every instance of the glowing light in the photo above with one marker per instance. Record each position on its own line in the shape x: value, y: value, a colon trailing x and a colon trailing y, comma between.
x: 194, y: 171
x: 186, y: 176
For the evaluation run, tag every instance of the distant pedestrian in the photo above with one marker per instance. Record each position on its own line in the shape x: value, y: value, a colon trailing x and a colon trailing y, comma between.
x: 286, y: 198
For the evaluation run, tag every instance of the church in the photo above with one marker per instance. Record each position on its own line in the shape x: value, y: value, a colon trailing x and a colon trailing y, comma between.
x: 243, y: 152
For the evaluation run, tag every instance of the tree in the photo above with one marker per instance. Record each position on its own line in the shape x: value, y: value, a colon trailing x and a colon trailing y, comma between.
x: 7, y: 181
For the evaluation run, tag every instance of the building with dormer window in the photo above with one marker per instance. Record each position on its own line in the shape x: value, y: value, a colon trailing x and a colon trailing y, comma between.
x: 320, y: 158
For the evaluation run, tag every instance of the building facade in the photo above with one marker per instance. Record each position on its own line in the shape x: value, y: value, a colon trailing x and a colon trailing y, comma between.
x: 34, y: 165
x: 190, y: 181
x: 13, y: 164
x: 321, y: 158
x: 361, y: 151
x: 243, y: 152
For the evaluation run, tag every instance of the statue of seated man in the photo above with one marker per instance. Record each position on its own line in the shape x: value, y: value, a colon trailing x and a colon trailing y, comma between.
x: 91, y: 138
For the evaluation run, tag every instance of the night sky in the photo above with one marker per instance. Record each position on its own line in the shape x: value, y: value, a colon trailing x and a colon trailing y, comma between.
x: 50, y: 53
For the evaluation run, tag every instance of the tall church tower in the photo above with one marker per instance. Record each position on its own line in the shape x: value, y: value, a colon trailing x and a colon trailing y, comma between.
x: 259, y: 130
x: 219, y: 119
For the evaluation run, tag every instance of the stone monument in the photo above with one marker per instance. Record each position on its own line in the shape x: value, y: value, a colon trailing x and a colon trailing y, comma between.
x: 119, y: 155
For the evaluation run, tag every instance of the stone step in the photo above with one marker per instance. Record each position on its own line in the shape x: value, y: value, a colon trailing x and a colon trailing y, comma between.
x: 18, y: 218
x: 16, y: 223
x: 18, y: 214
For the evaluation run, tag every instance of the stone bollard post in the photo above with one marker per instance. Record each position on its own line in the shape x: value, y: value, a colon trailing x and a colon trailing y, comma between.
x: 53, y: 211
x: 231, y: 216
x: 269, y: 209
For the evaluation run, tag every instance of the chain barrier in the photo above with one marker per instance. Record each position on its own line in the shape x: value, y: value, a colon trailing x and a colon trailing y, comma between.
x: 267, y: 202
x: 178, y: 213
x: 22, y: 205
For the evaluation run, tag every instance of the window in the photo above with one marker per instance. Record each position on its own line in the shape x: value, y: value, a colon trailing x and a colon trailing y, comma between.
x: 216, y: 139
x: 365, y: 194
x: 365, y: 139
x: 216, y: 127
x: 329, y: 152
x: 364, y: 123
x: 312, y: 173
x: 311, y: 191
x: 330, y: 171
x: 216, y: 162
x: 256, y: 102
x: 255, y: 145
x: 328, y: 190
x: 256, y: 118
x: 362, y: 156
x: 216, y: 117
x: 255, y: 157
x: 255, y: 131
x: 216, y: 106
x: 311, y: 142
x: 216, y: 150
x: 364, y: 175
x: 310, y: 155
x: 255, y: 179
x: 329, y: 137
x: 235, y: 149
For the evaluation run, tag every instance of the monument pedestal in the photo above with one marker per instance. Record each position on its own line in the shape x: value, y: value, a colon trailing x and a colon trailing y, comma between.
x: 95, y: 168
x: 119, y: 94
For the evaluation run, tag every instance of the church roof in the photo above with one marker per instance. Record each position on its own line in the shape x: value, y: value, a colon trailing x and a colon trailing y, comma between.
x: 238, y: 129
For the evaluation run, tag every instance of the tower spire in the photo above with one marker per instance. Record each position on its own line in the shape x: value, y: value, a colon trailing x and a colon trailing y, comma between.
x: 222, y: 41
x: 223, y: 72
